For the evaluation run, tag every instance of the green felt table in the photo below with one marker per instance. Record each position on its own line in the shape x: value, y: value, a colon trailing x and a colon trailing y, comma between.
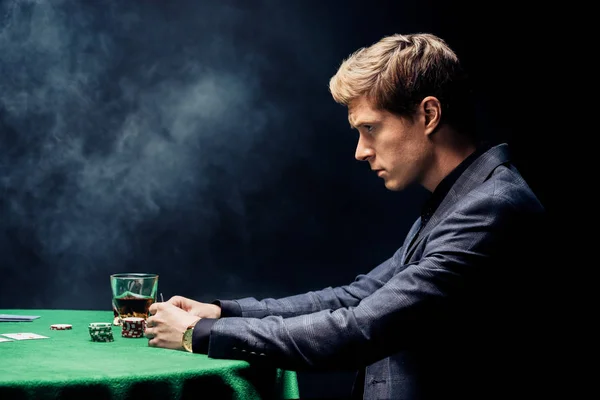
x: 69, y: 365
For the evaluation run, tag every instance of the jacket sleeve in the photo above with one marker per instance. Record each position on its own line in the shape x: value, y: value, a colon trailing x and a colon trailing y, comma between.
x: 377, y: 315
x: 326, y: 299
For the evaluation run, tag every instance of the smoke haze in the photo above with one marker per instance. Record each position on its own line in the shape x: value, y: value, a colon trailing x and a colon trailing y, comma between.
x: 163, y: 137
x: 198, y: 140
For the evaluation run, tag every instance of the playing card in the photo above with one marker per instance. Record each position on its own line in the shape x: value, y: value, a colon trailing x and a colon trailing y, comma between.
x: 4, y: 339
x: 16, y: 318
x: 24, y: 336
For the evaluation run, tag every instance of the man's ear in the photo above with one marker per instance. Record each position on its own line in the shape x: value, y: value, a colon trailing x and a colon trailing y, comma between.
x: 432, y: 110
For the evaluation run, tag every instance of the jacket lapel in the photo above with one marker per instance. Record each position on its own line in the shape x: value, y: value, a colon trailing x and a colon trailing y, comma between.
x: 473, y: 176
x: 409, y: 239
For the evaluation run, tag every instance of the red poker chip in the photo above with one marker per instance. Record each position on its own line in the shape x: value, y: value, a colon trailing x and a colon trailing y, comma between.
x: 132, y: 335
x: 61, y: 327
x: 133, y: 327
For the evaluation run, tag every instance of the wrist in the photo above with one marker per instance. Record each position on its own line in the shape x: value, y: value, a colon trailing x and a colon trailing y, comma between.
x: 228, y: 308
x: 187, y: 338
x: 216, y: 311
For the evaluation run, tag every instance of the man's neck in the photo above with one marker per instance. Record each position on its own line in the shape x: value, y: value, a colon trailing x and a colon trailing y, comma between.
x: 449, y: 151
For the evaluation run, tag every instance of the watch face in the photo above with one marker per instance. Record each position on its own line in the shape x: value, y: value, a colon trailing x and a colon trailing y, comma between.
x: 187, y: 339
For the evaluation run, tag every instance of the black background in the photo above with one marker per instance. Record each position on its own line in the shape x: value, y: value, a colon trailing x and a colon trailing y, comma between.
x: 198, y: 140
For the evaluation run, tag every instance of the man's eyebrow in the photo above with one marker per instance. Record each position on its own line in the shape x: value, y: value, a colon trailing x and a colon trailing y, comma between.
x: 360, y: 123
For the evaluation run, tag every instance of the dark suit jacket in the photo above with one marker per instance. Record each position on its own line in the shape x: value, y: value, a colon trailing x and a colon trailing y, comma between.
x: 450, y: 316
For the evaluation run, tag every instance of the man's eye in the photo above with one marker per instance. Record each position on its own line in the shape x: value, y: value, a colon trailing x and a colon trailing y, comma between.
x: 369, y: 128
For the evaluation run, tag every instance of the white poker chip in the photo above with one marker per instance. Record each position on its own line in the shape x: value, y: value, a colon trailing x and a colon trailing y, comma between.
x: 61, y: 327
x: 100, y: 325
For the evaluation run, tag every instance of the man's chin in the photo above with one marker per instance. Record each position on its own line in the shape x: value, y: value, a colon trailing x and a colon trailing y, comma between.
x: 393, y: 186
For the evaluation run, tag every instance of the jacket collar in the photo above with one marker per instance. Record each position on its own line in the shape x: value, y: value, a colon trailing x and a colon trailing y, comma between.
x: 475, y: 174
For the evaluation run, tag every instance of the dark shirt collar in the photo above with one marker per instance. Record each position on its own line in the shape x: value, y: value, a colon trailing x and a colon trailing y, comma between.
x: 444, y: 186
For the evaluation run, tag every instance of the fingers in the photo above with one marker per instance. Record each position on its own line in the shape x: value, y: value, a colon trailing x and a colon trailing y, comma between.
x: 150, y: 322
x: 149, y: 333
x: 164, y: 337
x: 154, y: 342
x: 179, y: 302
x: 176, y: 300
x: 154, y: 307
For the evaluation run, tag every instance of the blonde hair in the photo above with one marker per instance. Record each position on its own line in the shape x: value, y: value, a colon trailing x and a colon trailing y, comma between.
x: 398, y: 71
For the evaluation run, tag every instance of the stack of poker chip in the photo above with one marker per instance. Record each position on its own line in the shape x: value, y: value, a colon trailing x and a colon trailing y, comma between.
x: 101, y: 332
x: 133, y: 327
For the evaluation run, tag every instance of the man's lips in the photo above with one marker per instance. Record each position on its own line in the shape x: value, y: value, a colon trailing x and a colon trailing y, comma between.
x: 379, y: 171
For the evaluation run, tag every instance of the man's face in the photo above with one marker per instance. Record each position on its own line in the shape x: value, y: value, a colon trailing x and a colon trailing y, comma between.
x: 397, y: 149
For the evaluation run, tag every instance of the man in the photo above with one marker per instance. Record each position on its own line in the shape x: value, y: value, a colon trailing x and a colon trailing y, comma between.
x: 451, y: 314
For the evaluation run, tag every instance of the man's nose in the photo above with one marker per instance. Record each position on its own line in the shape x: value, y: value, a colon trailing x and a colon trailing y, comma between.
x: 363, y: 151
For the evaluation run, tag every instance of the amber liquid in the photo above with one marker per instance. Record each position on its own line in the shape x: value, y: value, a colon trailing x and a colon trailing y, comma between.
x: 129, y: 306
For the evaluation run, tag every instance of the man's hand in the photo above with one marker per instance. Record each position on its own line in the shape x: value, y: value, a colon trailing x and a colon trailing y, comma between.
x: 166, y: 325
x: 202, y: 310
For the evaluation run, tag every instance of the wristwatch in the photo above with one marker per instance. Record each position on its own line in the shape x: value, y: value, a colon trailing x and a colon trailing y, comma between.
x: 186, y: 341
